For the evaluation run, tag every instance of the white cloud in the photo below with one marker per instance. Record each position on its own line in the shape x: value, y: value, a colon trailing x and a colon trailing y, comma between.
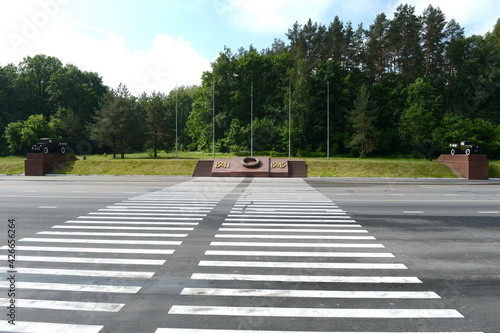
x: 38, y: 30
x: 272, y: 16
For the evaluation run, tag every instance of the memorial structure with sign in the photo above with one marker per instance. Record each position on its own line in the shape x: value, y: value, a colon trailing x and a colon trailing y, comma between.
x: 251, y: 167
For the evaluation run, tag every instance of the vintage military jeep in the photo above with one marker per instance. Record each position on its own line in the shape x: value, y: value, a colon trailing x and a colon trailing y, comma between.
x: 464, y: 147
x: 48, y: 145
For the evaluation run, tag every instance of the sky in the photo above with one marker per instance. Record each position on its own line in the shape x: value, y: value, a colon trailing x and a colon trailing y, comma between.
x: 156, y: 45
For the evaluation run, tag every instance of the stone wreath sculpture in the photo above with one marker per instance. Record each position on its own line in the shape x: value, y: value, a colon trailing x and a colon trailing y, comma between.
x: 250, y: 162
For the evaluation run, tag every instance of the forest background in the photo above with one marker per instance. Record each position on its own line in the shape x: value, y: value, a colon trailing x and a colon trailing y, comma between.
x: 403, y: 86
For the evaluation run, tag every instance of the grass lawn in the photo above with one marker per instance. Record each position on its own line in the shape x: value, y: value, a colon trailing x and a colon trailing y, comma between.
x: 11, y: 165
x: 167, y: 164
x: 399, y: 168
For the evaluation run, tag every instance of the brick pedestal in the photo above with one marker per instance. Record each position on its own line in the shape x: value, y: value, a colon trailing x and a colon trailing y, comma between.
x: 468, y: 166
x: 38, y: 164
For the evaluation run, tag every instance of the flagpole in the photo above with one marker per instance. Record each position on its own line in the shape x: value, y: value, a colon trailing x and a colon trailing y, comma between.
x: 328, y: 121
x: 289, y: 120
x: 176, y: 124
x: 251, y: 120
x: 213, y: 119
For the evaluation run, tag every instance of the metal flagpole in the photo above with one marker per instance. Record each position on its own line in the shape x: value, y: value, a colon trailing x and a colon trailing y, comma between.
x: 328, y: 121
x: 289, y: 120
x: 213, y: 119
x: 251, y: 120
x: 176, y: 125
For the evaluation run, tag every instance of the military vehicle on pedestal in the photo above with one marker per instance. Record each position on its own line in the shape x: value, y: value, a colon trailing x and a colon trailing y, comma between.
x: 48, y: 145
x: 464, y: 147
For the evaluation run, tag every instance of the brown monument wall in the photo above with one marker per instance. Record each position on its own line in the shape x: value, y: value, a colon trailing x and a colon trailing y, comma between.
x: 468, y: 166
x: 38, y: 164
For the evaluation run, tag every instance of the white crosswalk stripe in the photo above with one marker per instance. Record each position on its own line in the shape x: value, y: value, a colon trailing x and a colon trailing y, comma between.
x: 306, y: 278
x: 22, y: 327
x: 313, y: 312
x: 306, y: 293
x: 64, y: 305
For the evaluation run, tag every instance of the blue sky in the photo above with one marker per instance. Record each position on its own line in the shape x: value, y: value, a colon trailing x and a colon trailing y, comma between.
x: 153, y: 45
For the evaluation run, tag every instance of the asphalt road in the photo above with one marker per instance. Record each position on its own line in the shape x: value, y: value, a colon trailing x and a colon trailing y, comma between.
x: 167, y: 254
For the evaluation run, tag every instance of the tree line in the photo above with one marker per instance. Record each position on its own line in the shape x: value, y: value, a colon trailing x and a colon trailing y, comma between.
x: 406, y: 85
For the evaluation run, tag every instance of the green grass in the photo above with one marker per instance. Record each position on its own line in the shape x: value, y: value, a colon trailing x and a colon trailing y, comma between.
x: 495, y: 169
x: 11, y: 165
x: 167, y: 164
x: 399, y: 168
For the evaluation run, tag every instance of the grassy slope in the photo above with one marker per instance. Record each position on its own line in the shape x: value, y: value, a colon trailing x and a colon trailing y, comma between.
x: 140, y: 164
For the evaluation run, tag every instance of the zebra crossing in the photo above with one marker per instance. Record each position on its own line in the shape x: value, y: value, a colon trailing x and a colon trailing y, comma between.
x: 286, y: 233
x: 111, y: 251
x: 283, y: 258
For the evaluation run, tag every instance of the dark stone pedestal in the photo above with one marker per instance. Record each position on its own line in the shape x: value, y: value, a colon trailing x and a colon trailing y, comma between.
x: 468, y: 166
x: 234, y: 167
x: 38, y: 164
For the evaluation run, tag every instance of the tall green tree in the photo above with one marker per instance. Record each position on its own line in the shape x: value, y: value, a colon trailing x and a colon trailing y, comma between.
x: 421, y: 114
x: 156, y: 123
x: 434, y: 23
x: 365, y: 136
x: 114, y: 123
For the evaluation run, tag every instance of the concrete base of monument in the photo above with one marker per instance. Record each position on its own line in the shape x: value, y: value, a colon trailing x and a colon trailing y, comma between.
x: 251, y: 167
x: 467, y: 166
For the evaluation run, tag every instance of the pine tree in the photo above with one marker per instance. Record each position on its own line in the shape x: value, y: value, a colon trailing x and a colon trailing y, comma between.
x: 362, y: 117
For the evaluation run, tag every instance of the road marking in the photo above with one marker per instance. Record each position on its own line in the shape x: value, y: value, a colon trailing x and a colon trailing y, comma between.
x: 300, y: 211
x: 202, y: 330
x: 47, y: 207
x: 286, y: 207
x: 109, y: 234
x: 298, y: 219
x: 295, y: 237
x: 128, y: 222
x: 413, y: 212
x: 306, y: 278
x: 93, y: 260
x: 244, y: 224
x: 489, y: 212
x: 74, y: 287
x: 312, y: 312
x: 29, y: 326
x: 294, y: 216
x: 141, y: 204
x: 62, y: 305
x: 90, y: 250
x: 291, y: 230
x: 308, y: 293
x: 305, y: 265
x: 300, y: 254
x: 156, y: 206
x: 119, y: 228
x: 321, y: 245
x: 142, y: 218
x: 98, y: 241
x: 81, y: 272
x: 182, y: 211
x: 172, y: 201
x: 151, y: 214
x: 297, y: 222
